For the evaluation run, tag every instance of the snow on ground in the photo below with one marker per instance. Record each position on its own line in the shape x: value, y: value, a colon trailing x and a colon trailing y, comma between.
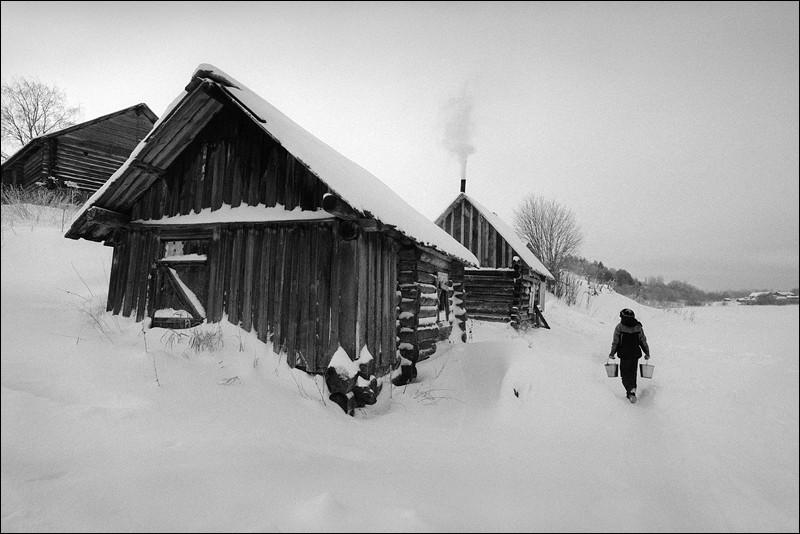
x: 514, y: 431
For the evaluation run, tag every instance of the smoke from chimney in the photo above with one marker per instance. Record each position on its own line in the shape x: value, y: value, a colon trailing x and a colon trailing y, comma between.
x: 458, y: 131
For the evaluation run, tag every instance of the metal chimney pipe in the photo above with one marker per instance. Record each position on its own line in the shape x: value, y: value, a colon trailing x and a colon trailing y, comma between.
x: 463, y: 185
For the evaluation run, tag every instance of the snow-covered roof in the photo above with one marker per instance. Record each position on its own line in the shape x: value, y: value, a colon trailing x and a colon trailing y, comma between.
x: 355, y: 185
x: 507, y: 233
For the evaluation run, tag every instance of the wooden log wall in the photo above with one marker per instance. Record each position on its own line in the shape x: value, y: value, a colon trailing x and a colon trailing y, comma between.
x: 417, y: 329
x: 465, y: 223
x: 490, y: 293
x: 88, y: 167
x: 49, y: 154
x: 232, y: 162
x: 300, y: 287
x: 502, y: 295
x: 28, y: 170
x: 87, y: 155
x: 32, y: 168
x: 115, y: 135
x: 11, y: 176
x: 521, y: 312
x: 24, y: 172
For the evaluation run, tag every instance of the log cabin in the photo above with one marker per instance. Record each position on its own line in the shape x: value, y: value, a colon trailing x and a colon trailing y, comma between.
x: 510, y: 284
x: 82, y: 157
x: 230, y: 211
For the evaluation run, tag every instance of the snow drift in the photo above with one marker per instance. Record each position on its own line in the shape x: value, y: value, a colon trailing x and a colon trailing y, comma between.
x: 109, y: 426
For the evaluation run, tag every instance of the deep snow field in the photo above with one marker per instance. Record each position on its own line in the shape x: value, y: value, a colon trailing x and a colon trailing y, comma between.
x: 513, y: 431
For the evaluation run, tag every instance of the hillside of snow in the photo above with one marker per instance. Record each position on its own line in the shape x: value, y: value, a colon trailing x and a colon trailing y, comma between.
x: 110, y: 427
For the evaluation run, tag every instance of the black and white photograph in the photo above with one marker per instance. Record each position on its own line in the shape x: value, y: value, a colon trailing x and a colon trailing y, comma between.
x: 411, y: 266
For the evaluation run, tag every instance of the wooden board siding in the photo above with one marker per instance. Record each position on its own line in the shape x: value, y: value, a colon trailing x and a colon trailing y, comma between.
x: 465, y: 223
x: 298, y: 286
x: 133, y: 257
x: 231, y: 161
x: 377, y: 292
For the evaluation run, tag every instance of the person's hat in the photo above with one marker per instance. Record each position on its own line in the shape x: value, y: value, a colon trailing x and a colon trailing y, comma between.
x: 627, y: 312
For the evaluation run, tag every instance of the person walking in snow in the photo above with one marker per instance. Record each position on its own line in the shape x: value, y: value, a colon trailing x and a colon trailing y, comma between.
x: 629, y: 342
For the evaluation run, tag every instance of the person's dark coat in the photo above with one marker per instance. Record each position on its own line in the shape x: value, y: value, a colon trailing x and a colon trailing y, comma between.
x: 629, y: 340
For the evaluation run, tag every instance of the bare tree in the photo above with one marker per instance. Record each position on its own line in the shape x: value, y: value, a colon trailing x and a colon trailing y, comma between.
x: 550, y: 230
x: 31, y: 108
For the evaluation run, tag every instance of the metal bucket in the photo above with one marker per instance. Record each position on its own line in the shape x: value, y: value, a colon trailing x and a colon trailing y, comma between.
x: 646, y: 370
x: 612, y: 370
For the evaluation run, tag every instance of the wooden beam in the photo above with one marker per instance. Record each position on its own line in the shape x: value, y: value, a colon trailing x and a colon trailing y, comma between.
x: 177, y: 286
x: 146, y: 167
x: 338, y: 207
x: 370, y: 225
x: 97, y: 215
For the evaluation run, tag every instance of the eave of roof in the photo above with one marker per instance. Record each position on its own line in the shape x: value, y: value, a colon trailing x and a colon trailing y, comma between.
x: 344, y: 177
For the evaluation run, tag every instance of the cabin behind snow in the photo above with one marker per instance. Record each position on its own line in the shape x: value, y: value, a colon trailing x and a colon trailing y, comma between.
x: 82, y: 157
x: 510, y: 283
x: 228, y: 210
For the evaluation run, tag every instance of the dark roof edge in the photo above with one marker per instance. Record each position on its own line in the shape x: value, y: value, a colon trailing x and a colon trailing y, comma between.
x: 36, y: 141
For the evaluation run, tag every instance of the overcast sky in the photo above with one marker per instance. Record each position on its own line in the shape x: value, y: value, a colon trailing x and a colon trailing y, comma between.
x: 669, y: 129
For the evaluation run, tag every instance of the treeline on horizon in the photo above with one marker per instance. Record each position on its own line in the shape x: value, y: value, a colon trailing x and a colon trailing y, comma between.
x: 654, y: 289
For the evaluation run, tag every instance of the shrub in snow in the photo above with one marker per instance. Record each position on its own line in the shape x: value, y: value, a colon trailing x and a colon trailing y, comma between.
x: 206, y: 340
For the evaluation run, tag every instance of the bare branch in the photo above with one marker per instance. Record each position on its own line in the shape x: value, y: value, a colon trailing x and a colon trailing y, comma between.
x: 549, y: 229
x: 31, y: 108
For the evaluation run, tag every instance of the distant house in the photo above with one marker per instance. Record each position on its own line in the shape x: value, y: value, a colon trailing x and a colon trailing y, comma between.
x: 781, y: 297
x: 228, y: 210
x: 510, y: 283
x: 82, y: 156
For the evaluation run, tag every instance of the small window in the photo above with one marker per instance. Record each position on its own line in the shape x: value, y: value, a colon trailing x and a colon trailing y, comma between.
x: 187, y: 250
